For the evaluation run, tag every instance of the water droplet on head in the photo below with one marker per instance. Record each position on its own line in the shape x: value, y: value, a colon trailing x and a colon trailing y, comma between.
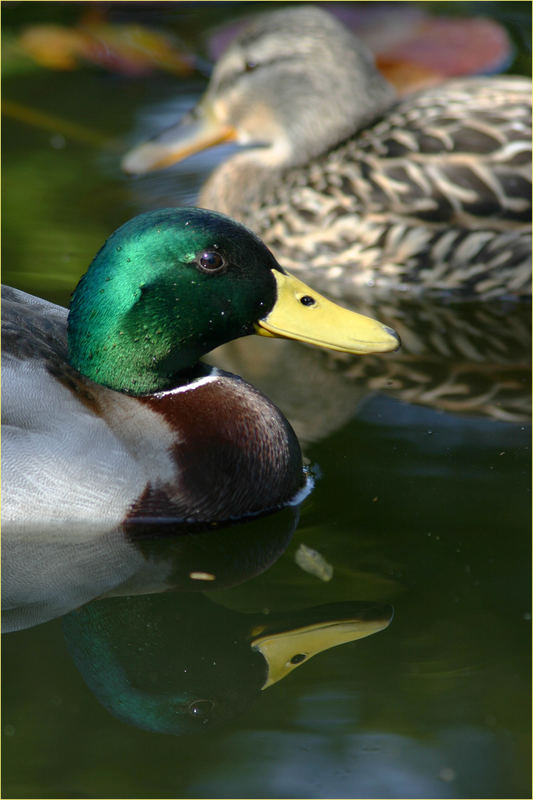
x: 200, y: 709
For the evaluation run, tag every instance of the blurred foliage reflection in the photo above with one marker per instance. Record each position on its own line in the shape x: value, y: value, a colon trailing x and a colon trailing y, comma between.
x: 422, y: 500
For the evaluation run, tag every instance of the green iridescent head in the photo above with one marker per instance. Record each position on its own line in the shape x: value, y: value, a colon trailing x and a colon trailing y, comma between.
x: 167, y: 287
x: 177, y: 663
x: 170, y: 285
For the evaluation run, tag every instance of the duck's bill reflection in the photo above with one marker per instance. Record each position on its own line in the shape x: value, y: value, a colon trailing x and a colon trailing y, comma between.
x: 285, y: 649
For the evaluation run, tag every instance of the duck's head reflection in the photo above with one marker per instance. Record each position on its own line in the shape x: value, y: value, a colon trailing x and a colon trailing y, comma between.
x: 179, y: 664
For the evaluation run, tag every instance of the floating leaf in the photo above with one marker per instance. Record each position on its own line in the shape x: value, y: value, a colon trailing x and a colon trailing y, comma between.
x: 53, y: 46
x: 135, y: 50
x: 313, y: 562
x: 129, y: 49
x: 440, y: 48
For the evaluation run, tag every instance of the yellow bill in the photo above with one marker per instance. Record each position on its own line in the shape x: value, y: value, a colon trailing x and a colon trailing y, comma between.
x: 198, y: 130
x: 284, y: 651
x: 303, y: 314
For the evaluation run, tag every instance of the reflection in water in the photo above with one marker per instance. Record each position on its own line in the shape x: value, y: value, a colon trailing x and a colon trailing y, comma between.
x: 464, y: 358
x: 52, y: 572
x: 178, y: 664
x: 407, y: 767
x: 436, y: 707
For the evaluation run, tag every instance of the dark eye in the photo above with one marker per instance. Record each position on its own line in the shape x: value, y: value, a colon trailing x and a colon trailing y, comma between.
x: 211, y: 261
x: 200, y: 709
x: 250, y: 66
x: 307, y: 300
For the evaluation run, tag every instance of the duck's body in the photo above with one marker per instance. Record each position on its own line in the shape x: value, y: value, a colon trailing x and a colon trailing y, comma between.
x: 425, y: 199
x: 108, y: 419
x: 78, y: 451
x: 350, y: 184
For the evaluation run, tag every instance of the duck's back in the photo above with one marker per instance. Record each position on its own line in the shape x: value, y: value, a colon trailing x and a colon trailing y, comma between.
x: 434, y: 195
x: 61, y: 462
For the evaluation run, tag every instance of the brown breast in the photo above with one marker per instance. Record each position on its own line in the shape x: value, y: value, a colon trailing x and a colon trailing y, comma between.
x: 236, y: 454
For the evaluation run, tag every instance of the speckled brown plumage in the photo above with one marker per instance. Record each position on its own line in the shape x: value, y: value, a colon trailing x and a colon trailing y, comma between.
x: 435, y: 196
x: 346, y: 182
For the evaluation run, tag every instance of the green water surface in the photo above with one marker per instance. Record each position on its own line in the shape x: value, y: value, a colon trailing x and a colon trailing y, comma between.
x: 415, y: 506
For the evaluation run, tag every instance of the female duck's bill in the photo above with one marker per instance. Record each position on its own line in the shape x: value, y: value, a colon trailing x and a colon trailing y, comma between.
x: 196, y: 131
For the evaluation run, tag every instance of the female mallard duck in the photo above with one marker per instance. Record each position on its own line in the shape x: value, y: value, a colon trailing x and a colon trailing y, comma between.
x: 348, y: 183
x: 108, y: 417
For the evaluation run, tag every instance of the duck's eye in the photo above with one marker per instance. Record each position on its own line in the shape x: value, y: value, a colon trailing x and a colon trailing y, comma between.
x: 249, y: 66
x: 211, y: 261
x: 200, y: 709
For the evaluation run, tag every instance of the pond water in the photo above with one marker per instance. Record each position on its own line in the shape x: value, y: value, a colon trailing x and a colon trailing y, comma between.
x: 419, y: 519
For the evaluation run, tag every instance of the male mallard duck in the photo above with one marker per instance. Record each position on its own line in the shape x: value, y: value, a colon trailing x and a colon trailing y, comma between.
x: 345, y: 181
x: 144, y: 661
x: 108, y: 417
